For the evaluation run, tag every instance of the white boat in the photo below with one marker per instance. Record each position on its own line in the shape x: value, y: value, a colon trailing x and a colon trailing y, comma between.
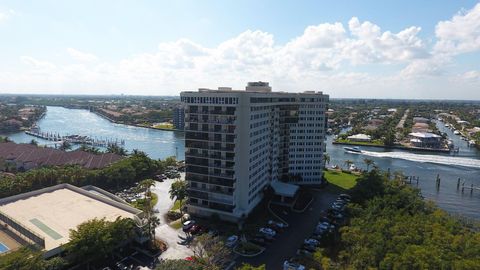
x: 353, y: 167
x: 471, y: 143
x: 456, y: 132
x: 352, y: 149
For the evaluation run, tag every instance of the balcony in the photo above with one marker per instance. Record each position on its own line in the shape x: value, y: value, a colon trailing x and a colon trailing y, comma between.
x: 212, y: 190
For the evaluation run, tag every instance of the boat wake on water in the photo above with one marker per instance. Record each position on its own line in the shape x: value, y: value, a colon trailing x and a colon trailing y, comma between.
x: 444, y: 160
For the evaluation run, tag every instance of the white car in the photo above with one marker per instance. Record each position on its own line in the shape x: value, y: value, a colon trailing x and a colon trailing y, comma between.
x: 231, y: 241
x: 268, y: 231
x: 287, y: 265
x: 188, y: 224
x: 311, y: 242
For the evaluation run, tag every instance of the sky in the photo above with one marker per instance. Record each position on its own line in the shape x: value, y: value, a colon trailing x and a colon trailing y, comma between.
x: 347, y: 49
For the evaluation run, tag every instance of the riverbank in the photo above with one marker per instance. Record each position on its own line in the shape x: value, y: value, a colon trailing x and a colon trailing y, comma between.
x: 131, y: 124
x: 401, y: 147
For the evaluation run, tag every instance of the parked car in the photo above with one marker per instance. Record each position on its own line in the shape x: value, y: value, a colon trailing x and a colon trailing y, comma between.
x: 196, y: 229
x: 304, y: 252
x: 345, y: 197
x: 288, y: 265
x: 268, y: 231
x: 311, y: 242
x: 187, y: 225
x: 231, y: 241
x: 310, y: 248
x: 277, y: 225
x: 326, y: 226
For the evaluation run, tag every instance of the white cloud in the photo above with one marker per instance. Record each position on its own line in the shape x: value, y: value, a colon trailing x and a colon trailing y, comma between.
x: 81, y: 56
x: 6, y: 14
x: 471, y: 76
x: 327, y: 56
x: 460, y: 34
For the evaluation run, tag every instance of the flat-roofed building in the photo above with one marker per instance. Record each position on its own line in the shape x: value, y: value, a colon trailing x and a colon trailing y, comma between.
x: 45, y: 217
x: 238, y: 142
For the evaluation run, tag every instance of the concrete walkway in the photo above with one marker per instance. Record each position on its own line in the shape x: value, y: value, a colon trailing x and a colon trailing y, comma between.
x: 163, y: 231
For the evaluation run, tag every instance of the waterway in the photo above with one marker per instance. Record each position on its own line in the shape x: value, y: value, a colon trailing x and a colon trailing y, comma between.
x: 157, y: 144
x: 161, y: 144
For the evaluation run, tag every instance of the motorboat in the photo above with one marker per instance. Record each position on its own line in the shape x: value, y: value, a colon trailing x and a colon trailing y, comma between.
x: 456, y: 132
x: 353, y: 168
x: 352, y: 149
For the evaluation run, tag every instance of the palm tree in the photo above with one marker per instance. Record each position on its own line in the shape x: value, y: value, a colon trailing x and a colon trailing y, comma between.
x: 348, y: 163
x: 326, y: 159
x: 178, y: 192
x: 65, y: 146
x: 150, y: 220
x: 368, y: 162
x: 136, y: 152
x: 116, y: 149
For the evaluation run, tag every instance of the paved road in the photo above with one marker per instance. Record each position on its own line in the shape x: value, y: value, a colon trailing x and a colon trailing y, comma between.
x: 165, y: 232
x: 301, y: 226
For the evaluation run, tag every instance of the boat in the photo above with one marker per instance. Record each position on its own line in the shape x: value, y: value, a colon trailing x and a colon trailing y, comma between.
x: 352, y: 149
x: 353, y: 168
x: 471, y: 143
x: 456, y: 132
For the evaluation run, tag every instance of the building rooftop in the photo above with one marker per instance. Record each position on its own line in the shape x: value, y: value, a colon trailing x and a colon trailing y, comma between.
x: 424, y: 135
x: 51, y: 213
x: 252, y: 87
x: 41, y: 156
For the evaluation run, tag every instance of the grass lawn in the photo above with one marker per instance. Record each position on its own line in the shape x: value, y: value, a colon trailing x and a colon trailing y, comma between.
x: 177, y: 224
x: 372, y: 143
x: 139, y: 203
x: 341, y: 179
x: 176, y: 205
x: 164, y: 126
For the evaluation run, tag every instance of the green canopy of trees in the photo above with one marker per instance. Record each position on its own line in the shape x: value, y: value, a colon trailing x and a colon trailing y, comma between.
x: 95, y: 240
x: 124, y: 173
x: 392, y: 227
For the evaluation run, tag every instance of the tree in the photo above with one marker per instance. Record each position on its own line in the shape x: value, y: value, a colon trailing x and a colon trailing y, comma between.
x: 65, y: 146
x: 326, y: 159
x: 368, y: 162
x: 150, y: 220
x: 95, y: 240
x: 33, y: 142
x: 389, y: 138
x: 24, y: 258
x: 211, y: 252
x: 116, y: 149
x: 178, y: 192
x: 89, y: 149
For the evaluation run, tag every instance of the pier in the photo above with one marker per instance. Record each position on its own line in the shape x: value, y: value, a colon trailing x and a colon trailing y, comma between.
x: 73, y: 139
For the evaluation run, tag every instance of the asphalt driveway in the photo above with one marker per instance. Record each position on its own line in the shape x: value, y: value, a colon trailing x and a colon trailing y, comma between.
x: 301, y: 226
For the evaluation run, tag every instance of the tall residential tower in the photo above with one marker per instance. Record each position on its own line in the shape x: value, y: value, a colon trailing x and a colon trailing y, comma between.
x: 237, y: 142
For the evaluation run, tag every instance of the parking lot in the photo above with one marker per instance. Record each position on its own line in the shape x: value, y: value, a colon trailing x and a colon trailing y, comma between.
x: 301, y: 226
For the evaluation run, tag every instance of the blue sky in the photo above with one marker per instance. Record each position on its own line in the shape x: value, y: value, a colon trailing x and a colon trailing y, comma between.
x: 383, y: 49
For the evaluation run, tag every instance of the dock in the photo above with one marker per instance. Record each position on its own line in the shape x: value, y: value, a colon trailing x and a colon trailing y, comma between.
x: 73, y: 139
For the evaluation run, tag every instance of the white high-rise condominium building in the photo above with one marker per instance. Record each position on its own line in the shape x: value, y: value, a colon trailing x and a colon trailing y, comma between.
x: 239, y: 141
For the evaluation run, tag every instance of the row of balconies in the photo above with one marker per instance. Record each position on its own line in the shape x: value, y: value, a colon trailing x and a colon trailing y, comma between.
x: 229, y: 147
x: 212, y: 205
x: 212, y: 155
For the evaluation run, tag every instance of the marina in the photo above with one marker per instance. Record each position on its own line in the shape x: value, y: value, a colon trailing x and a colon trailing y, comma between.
x: 72, y: 139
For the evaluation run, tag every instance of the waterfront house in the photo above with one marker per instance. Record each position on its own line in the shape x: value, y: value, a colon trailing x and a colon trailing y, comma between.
x: 425, y: 140
x: 360, y: 138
